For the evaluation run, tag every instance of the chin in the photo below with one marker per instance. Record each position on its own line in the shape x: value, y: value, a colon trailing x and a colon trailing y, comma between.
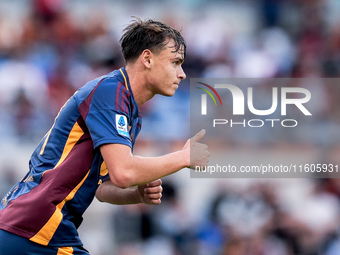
x: 169, y: 94
x: 172, y: 93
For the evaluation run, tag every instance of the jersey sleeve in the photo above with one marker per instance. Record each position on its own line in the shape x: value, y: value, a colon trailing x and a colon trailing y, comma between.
x: 109, y: 114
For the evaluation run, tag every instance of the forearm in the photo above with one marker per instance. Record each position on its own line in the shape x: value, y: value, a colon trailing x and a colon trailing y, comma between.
x: 146, y: 169
x: 127, y: 170
x: 141, y: 170
x: 110, y: 193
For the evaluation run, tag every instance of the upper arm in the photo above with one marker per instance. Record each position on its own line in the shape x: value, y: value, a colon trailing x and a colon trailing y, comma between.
x: 118, y: 159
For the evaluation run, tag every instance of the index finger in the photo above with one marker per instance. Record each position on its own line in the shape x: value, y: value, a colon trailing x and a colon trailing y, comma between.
x: 154, y: 183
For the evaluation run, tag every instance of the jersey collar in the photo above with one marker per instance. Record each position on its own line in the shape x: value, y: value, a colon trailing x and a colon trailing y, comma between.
x: 126, y: 78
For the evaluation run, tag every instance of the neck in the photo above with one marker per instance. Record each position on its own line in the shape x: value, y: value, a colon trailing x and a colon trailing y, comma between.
x: 138, y: 84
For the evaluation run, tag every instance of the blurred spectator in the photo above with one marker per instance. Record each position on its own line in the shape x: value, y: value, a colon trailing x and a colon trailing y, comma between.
x: 7, y: 180
x: 22, y: 113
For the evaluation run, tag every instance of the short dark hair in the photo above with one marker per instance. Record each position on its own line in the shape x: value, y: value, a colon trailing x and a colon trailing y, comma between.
x: 149, y: 34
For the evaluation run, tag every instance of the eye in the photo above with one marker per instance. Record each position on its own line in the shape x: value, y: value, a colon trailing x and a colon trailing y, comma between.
x: 177, y: 62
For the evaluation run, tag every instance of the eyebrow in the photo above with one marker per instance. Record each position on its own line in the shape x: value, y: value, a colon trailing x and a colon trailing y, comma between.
x: 179, y: 51
x: 179, y: 59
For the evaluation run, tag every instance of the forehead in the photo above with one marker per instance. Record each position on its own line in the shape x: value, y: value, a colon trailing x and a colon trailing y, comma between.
x: 171, y: 51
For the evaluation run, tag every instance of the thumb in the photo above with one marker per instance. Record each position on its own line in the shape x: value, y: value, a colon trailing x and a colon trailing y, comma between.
x: 198, y: 136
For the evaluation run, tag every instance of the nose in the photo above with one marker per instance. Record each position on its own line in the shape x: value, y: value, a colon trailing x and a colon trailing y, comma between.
x: 181, y: 74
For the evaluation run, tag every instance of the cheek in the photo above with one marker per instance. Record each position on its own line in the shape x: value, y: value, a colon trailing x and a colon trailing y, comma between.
x: 170, y: 71
x: 164, y: 74
x: 159, y: 71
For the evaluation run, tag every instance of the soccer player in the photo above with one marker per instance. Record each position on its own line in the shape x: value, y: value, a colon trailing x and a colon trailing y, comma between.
x: 88, y: 150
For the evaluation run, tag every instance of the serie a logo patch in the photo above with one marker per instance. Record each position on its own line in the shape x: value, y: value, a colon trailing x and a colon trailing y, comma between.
x: 122, y: 125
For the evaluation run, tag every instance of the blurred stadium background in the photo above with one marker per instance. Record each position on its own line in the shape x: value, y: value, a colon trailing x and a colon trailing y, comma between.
x: 49, y: 48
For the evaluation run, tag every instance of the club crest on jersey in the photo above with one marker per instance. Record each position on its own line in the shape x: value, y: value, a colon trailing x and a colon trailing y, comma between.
x: 122, y: 125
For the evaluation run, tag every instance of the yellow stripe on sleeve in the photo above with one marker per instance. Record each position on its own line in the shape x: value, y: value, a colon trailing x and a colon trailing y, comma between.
x: 65, y: 251
x: 103, y: 169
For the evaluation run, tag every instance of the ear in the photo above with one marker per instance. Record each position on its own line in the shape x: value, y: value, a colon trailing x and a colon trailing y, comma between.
x: 146, y: 57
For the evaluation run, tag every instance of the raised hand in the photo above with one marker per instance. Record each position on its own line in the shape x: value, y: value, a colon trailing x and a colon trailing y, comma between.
x: 197, y: 152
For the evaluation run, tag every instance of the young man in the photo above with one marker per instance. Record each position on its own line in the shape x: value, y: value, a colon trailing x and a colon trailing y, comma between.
x: 88, y: 150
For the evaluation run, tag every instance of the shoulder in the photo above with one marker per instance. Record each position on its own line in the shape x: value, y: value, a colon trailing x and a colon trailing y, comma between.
x: 111, y: 88
x: 108, y: 92
x: 112, y: 83
x: 103, y: 87
x: 111, y: 93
